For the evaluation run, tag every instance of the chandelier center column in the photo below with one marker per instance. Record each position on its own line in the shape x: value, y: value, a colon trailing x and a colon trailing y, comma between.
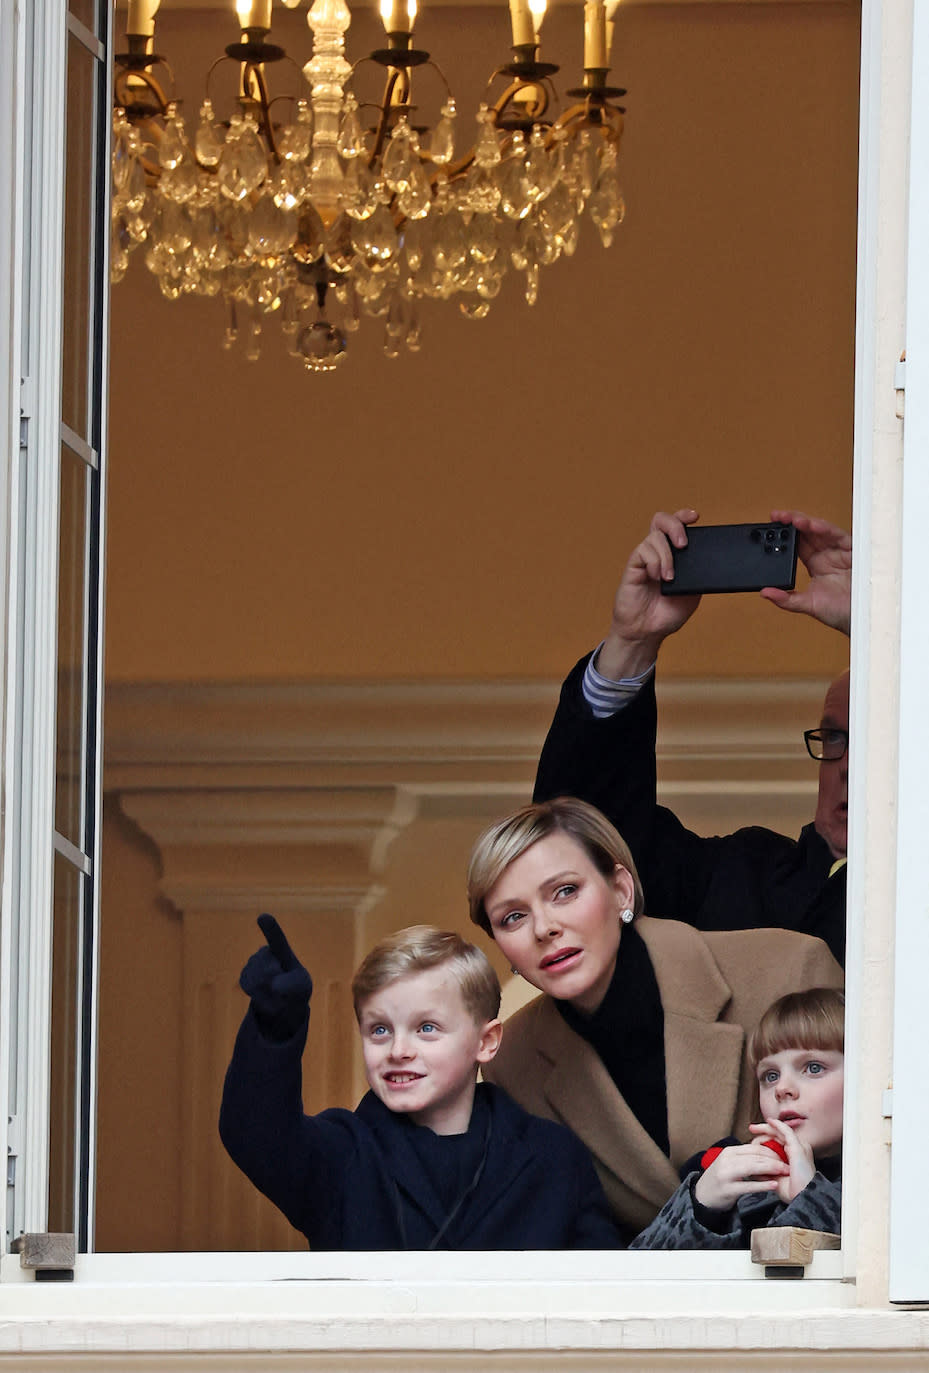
x: 327, y: 71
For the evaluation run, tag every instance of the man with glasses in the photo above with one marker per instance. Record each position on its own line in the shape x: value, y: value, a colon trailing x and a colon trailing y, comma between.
x: 601, y: 747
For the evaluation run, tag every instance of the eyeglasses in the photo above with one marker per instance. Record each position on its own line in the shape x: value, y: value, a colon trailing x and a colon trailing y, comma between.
x: 826, y: 745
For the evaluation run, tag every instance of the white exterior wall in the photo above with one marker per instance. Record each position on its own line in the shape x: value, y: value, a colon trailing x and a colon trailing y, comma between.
x: 575, y: 1311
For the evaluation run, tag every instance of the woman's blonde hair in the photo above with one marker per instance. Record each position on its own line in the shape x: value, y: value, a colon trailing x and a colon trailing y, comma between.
x: 814, y: 1019
x: 419, y: 949
x: 509, y: 838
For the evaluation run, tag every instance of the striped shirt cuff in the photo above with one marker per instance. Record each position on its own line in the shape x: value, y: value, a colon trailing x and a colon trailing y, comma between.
x: 604, y: 696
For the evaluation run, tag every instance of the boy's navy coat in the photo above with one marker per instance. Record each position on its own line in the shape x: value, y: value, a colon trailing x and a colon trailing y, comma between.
x: 345, y: 1178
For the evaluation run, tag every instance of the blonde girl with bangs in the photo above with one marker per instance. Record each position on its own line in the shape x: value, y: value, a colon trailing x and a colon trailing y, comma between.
x: 791, y: 1172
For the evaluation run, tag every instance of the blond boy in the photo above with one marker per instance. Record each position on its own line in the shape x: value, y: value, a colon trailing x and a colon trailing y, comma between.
x: 429, y: 1159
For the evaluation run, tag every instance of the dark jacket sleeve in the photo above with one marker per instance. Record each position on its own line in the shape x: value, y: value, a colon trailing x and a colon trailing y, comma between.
x: 287, y: 1155
x: 751, y: 879
x: 609, y: 762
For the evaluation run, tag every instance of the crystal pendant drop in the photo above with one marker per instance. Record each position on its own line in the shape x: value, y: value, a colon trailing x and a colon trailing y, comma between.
x: 295, y: 140
x: 134, y: 195
x: 585, y: 161
x: 397, y: 166
x: 322, y: 346
x: 481, y: 193
x: 487, y: 148
x: 415, y: 201
x: 375, y: 239
x: 339, y: 251
x: 413, y: 333
x: 208, y: 140
x: 474, y: 309
x: 311, y: 235
x: 512, y: 181
x: 532, y: 283
x: 449, y: 242
x: 442, y: 146
x: 351, y: 143
x: 121, y: 160
x: 540, y: 170
x: 359, y: 195
x: 173, y: 144
x: 483, y: 240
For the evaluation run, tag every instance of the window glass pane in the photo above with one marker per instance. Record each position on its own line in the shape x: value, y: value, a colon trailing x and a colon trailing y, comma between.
x: 66, y: 948
x: 85, y: 11
x: 71, y: 601
x: 78, y: 222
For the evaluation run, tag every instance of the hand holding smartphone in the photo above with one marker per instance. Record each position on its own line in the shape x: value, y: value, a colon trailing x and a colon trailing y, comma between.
x: 734, y: 557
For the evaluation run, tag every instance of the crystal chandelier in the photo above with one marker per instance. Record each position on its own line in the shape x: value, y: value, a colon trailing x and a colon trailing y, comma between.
x: 317, y: 210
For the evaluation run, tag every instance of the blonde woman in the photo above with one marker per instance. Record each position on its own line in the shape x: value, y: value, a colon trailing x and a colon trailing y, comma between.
x: 637, y: 1042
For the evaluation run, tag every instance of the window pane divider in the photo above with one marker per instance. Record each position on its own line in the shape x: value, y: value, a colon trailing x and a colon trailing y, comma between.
x: 73, y: 854
x: 79, y: 447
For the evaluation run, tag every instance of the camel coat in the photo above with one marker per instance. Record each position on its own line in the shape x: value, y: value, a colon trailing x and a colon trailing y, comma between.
x: 714, y: 989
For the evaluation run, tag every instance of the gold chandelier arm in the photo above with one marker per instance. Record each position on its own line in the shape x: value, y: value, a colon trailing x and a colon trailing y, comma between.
x: 395, y: 75
x: 254, y: 91
x: 458, y: 168
x: 609, y: 118
x: 123, y: 94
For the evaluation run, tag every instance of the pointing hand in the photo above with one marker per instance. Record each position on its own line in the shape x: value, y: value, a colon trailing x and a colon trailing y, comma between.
x: 278, y: 984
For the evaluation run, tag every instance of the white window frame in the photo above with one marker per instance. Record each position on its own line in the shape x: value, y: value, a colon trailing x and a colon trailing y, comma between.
x: 909, y: 1253
x: 34, y: 381
x: 33, y: 75
x: 520, y: 1300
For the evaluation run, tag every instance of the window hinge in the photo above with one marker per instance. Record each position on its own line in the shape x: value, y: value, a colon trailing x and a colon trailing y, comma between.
x: 900, y: 383
x: 887, y: 1103
x: 12, y: 1149
x: 26, y: 400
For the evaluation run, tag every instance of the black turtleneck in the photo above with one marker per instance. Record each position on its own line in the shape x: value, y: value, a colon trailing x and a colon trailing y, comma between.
x: 627, y: 1032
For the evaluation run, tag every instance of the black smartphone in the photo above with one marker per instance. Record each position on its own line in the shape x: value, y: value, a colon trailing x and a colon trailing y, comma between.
x: 734, y: 557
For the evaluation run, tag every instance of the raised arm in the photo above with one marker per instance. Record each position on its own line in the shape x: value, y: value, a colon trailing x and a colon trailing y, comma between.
x: 262, y: 1125
x: 642, y: 618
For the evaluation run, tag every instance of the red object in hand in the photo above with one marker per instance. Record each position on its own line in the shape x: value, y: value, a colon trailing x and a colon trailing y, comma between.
x: 711, y: 1156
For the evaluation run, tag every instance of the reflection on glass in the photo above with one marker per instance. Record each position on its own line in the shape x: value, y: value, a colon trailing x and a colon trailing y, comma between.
x: 66, y: 957
x: 69, y: 783
x: 78, y: 225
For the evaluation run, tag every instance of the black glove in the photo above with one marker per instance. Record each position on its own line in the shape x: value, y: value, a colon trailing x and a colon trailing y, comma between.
x: 278, y: 984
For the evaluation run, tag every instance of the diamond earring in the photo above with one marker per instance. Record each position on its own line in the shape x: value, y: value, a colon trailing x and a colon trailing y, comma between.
x: 627, y: 916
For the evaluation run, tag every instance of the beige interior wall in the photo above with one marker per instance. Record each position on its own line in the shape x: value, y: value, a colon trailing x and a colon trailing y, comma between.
x: 460, y: 514
x: 465, y: 512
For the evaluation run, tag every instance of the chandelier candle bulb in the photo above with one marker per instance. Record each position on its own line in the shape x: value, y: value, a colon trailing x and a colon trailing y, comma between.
x: 254, y: 14
x: 141, y: 20
x: 396, y: 16
x: 523, y: 25
x: 594, y: 35
x: 611, y: 7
